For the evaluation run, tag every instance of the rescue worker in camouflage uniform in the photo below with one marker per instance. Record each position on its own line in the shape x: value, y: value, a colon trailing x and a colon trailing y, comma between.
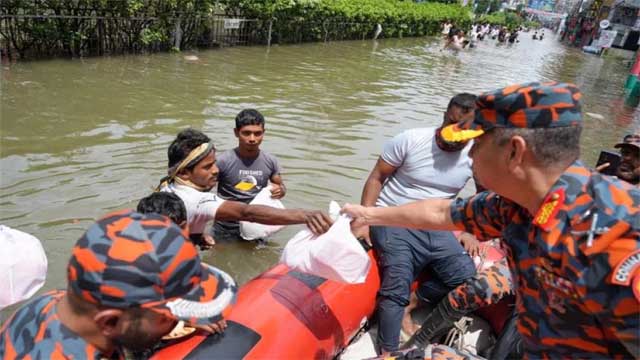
x: 131, y: 277
x: 573, y: 234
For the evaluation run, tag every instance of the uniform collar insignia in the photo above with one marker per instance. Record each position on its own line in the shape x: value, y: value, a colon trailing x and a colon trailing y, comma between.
x: 549, y: 208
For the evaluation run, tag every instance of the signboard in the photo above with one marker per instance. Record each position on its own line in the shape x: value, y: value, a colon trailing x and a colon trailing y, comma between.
x: 544, y: 5
x: 543, y: 13
x: 606, y: 38
x: 232, y: 23
x: 632, y: 3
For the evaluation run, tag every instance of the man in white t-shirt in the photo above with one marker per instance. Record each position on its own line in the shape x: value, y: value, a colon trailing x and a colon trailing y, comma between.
x: 417, y: 164
x: 193, y: 173
x: 474, y: 36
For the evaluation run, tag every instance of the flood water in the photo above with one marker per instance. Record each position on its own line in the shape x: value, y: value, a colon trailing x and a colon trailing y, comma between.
x: 80, y: 138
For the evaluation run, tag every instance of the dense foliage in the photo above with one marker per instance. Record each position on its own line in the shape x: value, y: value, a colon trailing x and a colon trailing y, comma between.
x: 312, y: 20
x: 508, y: 19
x: 487, y: 6
x: 96, y: 27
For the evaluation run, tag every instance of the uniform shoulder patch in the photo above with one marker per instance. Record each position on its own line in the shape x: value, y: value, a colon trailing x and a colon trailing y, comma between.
x: 624, y: 271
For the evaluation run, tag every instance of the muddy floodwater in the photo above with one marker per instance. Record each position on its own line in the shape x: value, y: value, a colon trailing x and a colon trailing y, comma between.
x: 83, y: 137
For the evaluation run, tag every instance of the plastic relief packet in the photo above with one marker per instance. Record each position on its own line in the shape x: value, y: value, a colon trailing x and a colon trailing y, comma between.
x: 253, y: 231
x: 335, y: 255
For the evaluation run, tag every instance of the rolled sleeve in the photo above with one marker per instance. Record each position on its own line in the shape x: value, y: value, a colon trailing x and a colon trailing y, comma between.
x: 482, y: 215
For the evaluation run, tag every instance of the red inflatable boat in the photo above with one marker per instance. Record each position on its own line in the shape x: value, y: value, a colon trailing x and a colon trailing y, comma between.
x: 285, y: 314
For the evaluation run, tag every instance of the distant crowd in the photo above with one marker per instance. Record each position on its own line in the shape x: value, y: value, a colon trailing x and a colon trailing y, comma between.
x: 457, y: 38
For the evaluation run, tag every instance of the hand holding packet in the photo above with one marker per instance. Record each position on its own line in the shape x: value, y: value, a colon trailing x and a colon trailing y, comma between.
x: 335, y: 255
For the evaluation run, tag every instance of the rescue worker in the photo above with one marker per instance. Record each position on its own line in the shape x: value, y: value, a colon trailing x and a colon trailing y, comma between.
x: 130, y: 279
x: 573, y: 234
x: 629, y: 168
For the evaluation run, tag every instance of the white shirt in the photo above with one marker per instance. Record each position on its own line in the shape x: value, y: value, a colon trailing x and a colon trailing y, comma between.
x: 201, y: 206
x: 458, y: 41
x: 423, y: 169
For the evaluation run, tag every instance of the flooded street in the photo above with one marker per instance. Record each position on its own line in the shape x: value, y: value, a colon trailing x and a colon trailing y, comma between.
x: 79, y: 138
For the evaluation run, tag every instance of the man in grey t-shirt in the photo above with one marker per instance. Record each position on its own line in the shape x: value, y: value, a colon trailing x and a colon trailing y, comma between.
x: 246, y: 170
x: 415, y: 165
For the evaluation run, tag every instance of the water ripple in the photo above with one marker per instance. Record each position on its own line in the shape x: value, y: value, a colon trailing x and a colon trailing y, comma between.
x: 96, y: 138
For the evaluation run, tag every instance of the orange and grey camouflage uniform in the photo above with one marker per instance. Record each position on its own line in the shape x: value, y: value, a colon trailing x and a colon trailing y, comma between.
x: 124, y: 260
x: 577, y: 262
x: 485, y: 288
x: 35, y: 332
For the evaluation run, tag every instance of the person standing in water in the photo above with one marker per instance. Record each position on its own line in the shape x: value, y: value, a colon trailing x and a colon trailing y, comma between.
x: 192, y: 173
x: 246, y: 169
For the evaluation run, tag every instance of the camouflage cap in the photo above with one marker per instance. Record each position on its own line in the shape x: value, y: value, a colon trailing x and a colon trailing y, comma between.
x: 128, y: 259
x: 630, y: 140
x: 531, y: 105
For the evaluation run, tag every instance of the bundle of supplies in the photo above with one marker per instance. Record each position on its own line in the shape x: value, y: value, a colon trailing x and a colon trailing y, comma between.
x: 335, y: 255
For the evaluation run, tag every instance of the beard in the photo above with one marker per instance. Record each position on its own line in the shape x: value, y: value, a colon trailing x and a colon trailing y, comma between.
x: 135, y: 339
x: 446, y: 145
x: 627, y: 173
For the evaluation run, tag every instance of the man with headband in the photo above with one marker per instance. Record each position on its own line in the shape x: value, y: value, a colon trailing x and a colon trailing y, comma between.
x: 193, y: 173
x: 573, y: 234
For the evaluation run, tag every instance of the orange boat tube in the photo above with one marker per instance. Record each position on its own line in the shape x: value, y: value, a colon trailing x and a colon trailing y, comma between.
x: 285, y: 314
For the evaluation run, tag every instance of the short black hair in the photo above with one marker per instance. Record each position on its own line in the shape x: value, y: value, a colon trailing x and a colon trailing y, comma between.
x: 249, y: 117
x: 552, y: 147
x: 184, y: 143
x: 164, y: 203
x: 465, y: 101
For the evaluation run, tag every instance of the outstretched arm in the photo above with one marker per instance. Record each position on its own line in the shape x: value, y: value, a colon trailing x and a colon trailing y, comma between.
x: 432, y: 214
x: 317, y: 221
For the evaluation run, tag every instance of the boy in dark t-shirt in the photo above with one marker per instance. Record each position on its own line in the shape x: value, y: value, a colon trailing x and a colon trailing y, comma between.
x: 246, y: 170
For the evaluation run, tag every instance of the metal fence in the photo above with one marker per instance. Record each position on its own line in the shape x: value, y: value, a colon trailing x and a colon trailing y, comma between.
x: 47, y: 35
x: 225, y: 31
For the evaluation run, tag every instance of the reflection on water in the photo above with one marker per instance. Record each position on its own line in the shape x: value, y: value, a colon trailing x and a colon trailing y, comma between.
x: 83, y: 137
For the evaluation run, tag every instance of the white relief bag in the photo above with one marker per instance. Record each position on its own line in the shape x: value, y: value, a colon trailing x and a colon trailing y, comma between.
x: 335, y: 255
x: 253, y: 231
